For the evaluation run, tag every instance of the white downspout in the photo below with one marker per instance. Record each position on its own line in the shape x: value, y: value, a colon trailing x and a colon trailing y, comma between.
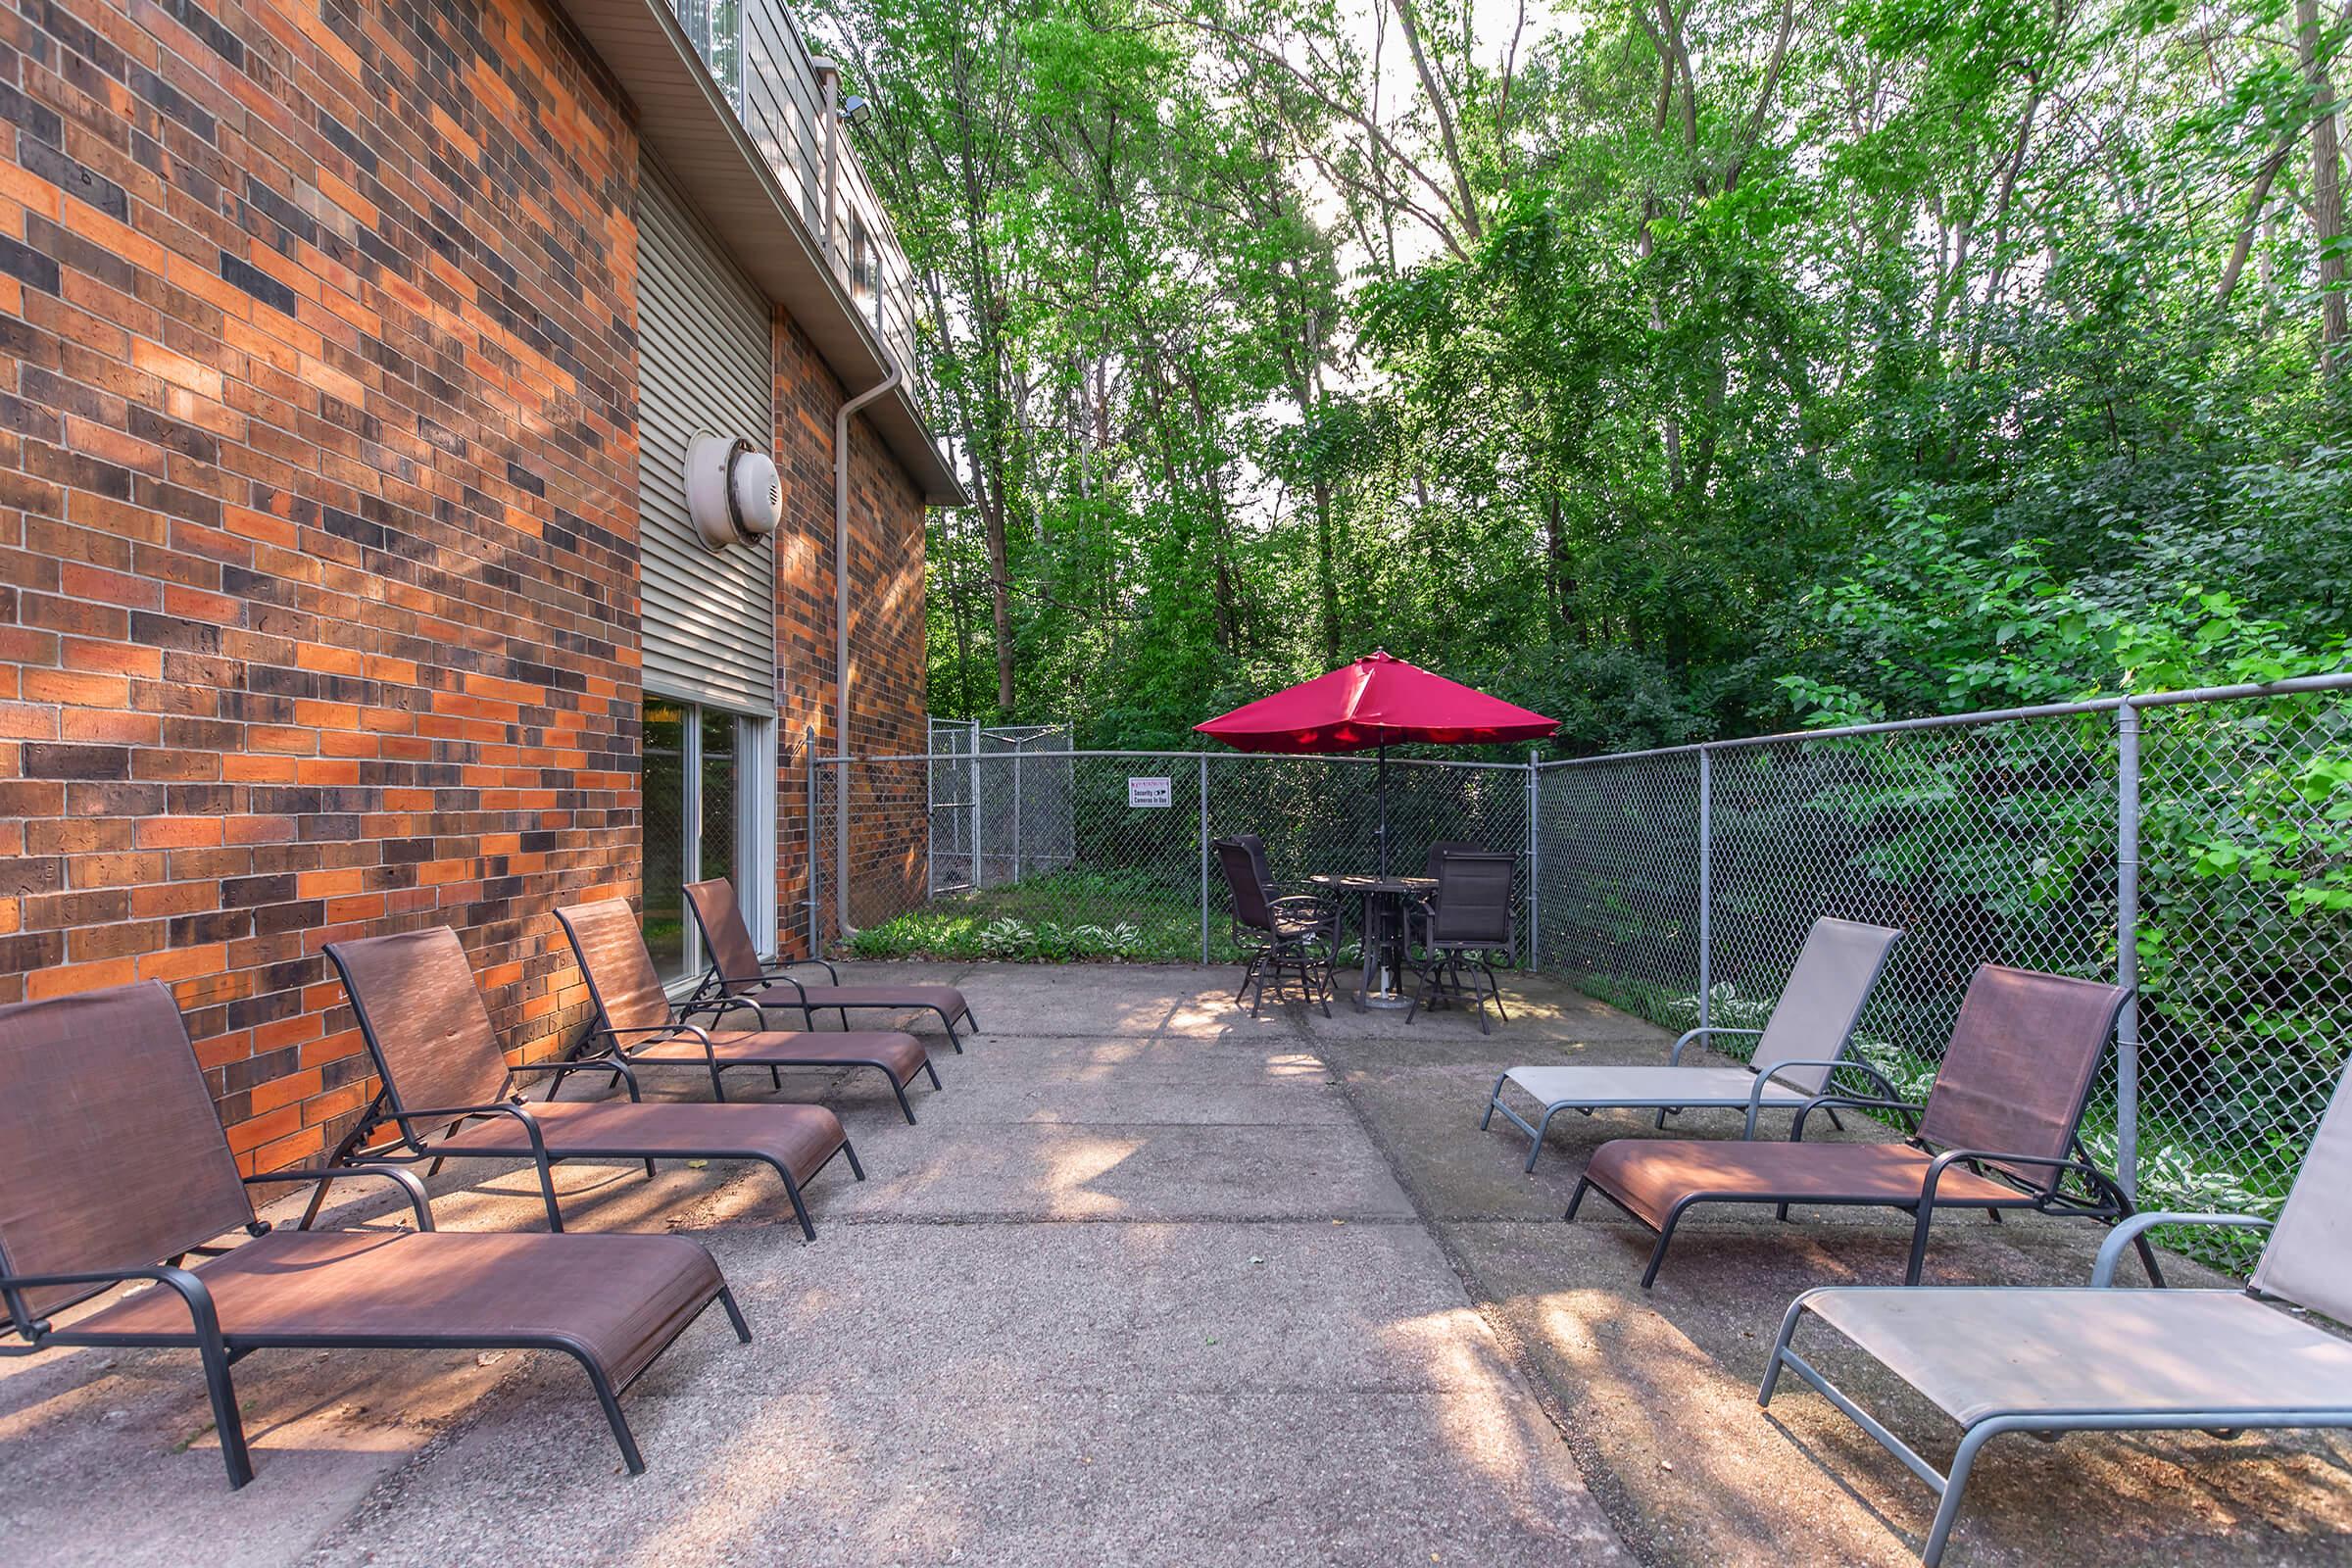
x: 841, y: 631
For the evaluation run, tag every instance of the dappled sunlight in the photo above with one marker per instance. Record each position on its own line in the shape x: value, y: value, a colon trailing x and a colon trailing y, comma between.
x: 1295, y: 1065
x: 1480, y: 1412
x: 115, y: 1450
x: 1073, y: 1164
x: 1677, y: 1413
x: 781, y: 1457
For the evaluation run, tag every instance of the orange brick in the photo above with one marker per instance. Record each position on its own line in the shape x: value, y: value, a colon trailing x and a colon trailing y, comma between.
x: 76, y: 690
x: 112, y: 659
x: 177, y: 832
x: 67, y: 979
x: 287, y: 1091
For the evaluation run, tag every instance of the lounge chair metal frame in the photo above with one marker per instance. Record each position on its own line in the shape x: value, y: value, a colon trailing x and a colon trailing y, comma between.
x: 407, y: 1146
x: 605, y: 1044
x: 220, y: 1351
x: 1675, y: 1105
x: 715, y: 986
x: 1999, y: 1359
x: 1949, y: 1486
x: 2104, y: 1200
x: 1761, y: 1082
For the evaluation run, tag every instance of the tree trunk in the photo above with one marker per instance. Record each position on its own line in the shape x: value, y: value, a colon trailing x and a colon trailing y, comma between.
x: 2255, y: 202
x: 1435, y: 89
x: 2326, y: 188
x: 1000, y: 578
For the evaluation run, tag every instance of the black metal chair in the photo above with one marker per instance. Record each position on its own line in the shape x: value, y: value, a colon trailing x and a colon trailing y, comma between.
x: 1417, y: 914
x: 1445, y: 847
x: 1296, y: 933
x: 1468, y: 919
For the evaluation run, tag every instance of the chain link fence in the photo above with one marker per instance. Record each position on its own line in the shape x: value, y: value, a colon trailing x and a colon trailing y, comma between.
x: 1058, y: 854
x: 2197, y: 847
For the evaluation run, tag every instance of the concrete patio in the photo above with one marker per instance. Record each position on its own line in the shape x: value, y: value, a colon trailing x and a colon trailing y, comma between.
x: 1153, y: 1283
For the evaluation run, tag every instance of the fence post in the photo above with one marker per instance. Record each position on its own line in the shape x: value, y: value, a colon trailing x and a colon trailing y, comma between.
x: 809, y: 751
x: 1535, y: 869
x: 2127, y: 948
x: 1204, y: 857
x: 840, y: 842
x: 1706, y: 886
x: 1017, y: 808
x: 979, y: 868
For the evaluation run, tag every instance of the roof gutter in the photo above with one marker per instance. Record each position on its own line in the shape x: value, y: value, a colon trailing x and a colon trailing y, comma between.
x: 840, y: 628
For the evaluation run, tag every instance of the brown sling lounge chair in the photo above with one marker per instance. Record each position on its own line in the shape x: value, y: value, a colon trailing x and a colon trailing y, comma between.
x: 1998, y: 1131
x: 114, y: 1168
x: 637, y: 1025
x: 448, y: 1092
x: 736, y: 971
x: 2004, y: 1358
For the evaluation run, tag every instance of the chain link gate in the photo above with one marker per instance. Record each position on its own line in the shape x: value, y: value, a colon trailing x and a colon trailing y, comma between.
x: 2195, y: 846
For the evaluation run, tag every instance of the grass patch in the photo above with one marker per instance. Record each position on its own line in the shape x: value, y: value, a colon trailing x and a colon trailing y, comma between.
x: 1072, y: 916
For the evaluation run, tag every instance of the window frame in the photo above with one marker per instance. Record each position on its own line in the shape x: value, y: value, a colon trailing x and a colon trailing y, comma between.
x: 757, y: 781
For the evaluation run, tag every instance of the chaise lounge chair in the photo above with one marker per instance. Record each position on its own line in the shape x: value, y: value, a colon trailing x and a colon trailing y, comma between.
x: 637, y: 1026
x: 736, y: 971
x: 1997, y: 1132
x: 111, y: 1160
x: 447, y: 1094
x: 2006, y: 1359
x: 1804, y: 1041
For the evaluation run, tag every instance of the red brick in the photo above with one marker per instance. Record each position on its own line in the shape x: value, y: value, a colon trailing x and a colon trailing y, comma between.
x: 331, y: 636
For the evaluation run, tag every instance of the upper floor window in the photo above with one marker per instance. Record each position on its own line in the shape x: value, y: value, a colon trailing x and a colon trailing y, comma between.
x: 717, y: 29
x: 863, y: 263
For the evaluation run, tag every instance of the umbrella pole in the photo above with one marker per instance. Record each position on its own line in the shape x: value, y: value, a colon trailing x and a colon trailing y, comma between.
x: 1384, y: 811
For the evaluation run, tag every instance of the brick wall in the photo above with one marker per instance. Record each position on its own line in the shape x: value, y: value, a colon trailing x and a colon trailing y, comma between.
x: 318, y: 473
x: 888, y: 713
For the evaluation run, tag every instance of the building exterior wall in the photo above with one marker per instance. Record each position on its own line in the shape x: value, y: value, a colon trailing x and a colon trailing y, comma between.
x: 319, y: 604
x: 888, y: 712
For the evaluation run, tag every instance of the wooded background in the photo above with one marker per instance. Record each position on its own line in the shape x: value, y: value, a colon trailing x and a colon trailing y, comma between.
x: 1680, y: 369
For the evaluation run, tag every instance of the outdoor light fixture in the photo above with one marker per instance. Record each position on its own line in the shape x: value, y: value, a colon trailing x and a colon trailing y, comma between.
x: 857, y: 111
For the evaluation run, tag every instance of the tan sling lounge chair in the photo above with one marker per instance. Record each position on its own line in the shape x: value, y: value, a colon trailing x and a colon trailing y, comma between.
x: 448, y: 1092
x: 1800, y: 1046
x: 1998, y: 1131
x: 2004, y: 1358
x: 638, y: 1026
x: 736, y: 971
x: 114, y: 1168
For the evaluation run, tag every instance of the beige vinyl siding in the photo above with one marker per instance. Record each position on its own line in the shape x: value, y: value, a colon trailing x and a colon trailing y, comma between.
x: 704, y: 363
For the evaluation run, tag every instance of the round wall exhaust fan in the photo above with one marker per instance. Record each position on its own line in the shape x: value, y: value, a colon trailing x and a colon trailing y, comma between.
x: 732, y: 492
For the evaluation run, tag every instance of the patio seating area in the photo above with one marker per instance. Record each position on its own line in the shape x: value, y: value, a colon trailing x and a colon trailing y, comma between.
x: 1157, y: 1281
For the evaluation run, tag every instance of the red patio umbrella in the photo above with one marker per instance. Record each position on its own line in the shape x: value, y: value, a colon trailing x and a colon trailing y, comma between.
x: 1372, y: 704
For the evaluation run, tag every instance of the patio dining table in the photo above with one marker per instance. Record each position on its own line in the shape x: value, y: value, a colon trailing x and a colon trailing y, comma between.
x: 1383, y: 925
